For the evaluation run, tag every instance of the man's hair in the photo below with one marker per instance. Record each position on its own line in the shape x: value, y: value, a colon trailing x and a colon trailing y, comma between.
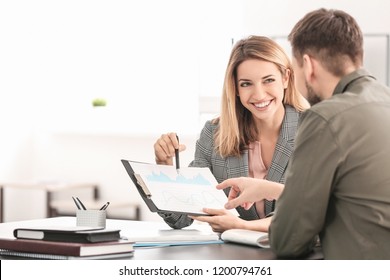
x: 331, y: 36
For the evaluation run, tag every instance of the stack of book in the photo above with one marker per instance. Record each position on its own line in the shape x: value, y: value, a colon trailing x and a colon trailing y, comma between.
x: 66, y: 243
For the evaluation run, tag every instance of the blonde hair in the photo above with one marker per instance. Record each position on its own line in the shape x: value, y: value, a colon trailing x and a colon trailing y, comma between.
x: 236, y: 125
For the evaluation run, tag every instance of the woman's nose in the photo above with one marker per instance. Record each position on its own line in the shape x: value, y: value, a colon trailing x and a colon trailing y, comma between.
x: 259, y: 92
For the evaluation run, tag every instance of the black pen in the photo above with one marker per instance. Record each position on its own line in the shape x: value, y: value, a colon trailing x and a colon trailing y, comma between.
x: 77, y: 204
x: 81, y: 204
x: 104, y: 207
x: 177, y: 156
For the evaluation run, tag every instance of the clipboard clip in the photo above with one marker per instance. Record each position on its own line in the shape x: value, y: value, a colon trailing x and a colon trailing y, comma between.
x: 143, y: 185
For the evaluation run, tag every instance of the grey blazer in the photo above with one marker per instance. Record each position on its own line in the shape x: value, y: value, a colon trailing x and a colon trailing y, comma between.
x: 231, y: 167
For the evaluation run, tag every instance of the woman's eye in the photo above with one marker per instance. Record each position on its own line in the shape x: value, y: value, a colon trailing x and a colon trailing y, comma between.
x: 244, y: 84
x: 268, y: 81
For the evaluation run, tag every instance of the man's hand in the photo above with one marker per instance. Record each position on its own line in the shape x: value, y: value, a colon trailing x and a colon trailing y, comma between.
x: 245, y: 191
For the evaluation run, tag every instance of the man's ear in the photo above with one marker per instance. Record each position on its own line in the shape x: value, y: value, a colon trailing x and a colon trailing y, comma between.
x: 308, y: 67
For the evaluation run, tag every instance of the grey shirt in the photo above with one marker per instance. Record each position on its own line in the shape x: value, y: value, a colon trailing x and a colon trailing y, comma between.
x: 338, y: 179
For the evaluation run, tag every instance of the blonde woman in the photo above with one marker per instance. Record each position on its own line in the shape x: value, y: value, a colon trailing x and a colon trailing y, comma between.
x: 254, y: 134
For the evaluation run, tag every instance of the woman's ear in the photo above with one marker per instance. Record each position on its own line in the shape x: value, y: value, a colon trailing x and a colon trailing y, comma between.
x: 286, y: 78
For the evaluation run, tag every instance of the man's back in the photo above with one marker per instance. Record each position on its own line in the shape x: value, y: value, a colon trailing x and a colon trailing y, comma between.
x: 346, y: 178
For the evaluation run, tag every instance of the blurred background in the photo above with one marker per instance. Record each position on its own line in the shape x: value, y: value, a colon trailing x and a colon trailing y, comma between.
x: 158, y: 65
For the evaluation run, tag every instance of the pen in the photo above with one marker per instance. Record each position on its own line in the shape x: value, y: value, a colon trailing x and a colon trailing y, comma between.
x: 104, y: 207
x: 77, y: 204
x: 81, y: 204
x: 177, y: 156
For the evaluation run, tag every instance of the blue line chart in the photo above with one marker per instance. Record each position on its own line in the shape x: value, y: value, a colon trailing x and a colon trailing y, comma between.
x: 180, y: 179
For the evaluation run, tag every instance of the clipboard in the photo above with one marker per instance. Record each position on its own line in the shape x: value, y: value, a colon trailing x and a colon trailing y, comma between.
x: 164, y: 190
x: 142, y: 189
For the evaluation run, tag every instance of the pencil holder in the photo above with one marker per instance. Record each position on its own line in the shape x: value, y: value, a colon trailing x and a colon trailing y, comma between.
x: 91, y: 218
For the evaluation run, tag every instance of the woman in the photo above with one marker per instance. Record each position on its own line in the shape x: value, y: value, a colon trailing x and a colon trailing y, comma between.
x: 254, y: 135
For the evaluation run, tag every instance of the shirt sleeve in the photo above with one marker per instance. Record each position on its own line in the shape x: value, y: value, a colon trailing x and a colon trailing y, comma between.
x: 301, y: 208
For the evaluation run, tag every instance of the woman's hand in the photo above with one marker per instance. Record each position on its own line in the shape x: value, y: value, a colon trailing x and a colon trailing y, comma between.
x: 220, y: 219
x: 164, y: 148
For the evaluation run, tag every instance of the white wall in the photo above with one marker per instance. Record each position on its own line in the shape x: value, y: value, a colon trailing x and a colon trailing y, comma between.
x: 276, y: 18
x: 279, y: 16
x: 55, y: 56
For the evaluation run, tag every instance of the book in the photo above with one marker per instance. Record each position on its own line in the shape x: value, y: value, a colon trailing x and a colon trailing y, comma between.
x: 27, y: 255
x: 66, y: 248
x: 248, y: 237
x: 164, y: 189
x: 68, y: 234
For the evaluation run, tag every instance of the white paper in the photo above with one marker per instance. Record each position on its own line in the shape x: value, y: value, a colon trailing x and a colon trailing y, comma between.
x: 189, y: 190
x: 249, y: 237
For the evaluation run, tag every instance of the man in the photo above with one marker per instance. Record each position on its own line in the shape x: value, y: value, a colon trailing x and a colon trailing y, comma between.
x: 338, y: 179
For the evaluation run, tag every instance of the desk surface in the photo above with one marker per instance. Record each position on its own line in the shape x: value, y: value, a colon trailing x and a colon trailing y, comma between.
x: 226, y: 251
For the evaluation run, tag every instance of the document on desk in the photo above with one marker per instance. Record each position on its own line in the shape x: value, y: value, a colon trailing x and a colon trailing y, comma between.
x: 248, y: 237
x: 170, y: 237
x: 188, y: 190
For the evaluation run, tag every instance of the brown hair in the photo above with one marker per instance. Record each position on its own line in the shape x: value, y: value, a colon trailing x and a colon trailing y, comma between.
x: 331, y: 36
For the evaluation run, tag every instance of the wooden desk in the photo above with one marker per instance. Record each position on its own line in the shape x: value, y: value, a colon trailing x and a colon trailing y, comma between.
x: 226, y: 251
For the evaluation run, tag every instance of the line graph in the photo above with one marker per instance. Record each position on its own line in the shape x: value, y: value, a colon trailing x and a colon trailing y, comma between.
x: 188, y: 191
x: 198, y: 199
x: 197, y: 179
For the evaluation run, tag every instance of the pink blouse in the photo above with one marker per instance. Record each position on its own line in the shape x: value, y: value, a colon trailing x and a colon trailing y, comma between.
x: 258, y: 170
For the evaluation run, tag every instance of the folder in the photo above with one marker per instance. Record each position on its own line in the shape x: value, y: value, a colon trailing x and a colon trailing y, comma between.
x: 163, y: 189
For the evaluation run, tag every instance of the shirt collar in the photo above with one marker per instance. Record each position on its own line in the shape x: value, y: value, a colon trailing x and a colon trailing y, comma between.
x: 347, y: 80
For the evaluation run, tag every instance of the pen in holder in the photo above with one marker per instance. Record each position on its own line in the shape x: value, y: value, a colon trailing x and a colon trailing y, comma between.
x: 91, y: 218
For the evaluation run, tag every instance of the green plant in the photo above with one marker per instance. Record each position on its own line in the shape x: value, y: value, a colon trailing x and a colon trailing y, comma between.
x: 99, y: 102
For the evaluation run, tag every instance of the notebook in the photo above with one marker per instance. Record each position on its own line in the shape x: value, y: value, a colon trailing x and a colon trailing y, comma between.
x: 66, y: 248
x: 248, y: 237
x: 68, y: 234
x: 26, y: 255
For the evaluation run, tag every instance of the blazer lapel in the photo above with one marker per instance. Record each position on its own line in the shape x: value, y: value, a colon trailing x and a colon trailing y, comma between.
x: 238, y: 167
x: 284, y: 146
x: 282, y: 153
